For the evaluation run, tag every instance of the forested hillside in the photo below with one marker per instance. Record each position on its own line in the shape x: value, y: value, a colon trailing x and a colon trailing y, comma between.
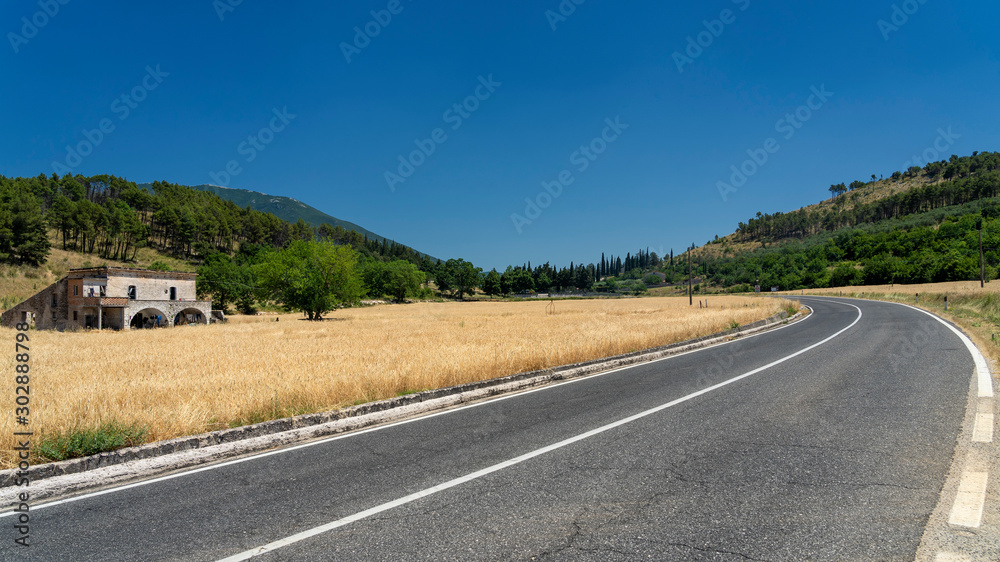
x: 960, y: 180
x: 921, y: 225
x: 927, y: 233
x: 111, y: 218
x: 285, y: 208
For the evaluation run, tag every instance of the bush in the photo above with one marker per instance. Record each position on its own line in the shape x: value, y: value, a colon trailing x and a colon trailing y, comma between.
x: 652, y: 279
x: 84, y: 442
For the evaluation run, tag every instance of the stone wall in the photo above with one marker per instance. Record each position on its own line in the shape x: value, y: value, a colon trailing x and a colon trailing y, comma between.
x: 151, y: 288
x: 46, y: 316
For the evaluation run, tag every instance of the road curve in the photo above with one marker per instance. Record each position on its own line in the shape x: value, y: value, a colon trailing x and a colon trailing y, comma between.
x: 829, y: 439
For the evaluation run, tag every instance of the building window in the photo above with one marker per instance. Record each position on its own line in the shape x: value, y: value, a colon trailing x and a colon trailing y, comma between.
x: 55, y: 301
x: 131, y: 292
x: 76, y: 291
x: 173, y: 293
x: 74, y: 316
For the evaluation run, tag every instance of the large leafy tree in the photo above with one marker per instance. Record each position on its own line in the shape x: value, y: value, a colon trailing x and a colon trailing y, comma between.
x: 227, y: 282
x: 314, y: 277
x: 464, y: 277
x: 491, y: 284
x: 402, y: 279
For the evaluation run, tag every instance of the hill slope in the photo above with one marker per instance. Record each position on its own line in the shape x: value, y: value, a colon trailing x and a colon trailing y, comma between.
x: 918, y: 226
x: 285, y: 208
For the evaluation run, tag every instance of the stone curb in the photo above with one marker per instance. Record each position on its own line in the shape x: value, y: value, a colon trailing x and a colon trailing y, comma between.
x: 263, y: 436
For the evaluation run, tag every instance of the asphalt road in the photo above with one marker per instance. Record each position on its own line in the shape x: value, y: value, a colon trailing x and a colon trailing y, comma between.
x: 837, y: 453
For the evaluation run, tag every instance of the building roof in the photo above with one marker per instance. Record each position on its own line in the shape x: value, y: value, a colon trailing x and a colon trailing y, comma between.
x: 107, y: 271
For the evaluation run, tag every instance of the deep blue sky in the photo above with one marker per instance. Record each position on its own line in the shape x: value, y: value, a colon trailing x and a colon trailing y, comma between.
x: 655, y: 185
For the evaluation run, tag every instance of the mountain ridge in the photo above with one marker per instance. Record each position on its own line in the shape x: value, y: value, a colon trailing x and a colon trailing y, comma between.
x: 286, y: 208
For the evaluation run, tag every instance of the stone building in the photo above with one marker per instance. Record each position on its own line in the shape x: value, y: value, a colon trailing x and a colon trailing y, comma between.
x: 113, y: 297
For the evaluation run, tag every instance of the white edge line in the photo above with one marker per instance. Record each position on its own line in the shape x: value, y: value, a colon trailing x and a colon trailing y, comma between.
x: 517, y: 460
x: 984, y: 379
x: 358, y: 432
x: 967, y: 511
x: 355, y: 433
x: 983, y: 430
x: 983, y: 376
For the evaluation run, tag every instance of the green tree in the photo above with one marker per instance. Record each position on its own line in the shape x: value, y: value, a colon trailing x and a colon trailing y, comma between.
x: 23, y: 230
x: 491, y: 284
x: 402, y: 279
x: 464, y: 277
x: 314, y: 277
x: 543, y: 282
x: 226, y: 282
x: 522, y: 281
x: 845, y: 275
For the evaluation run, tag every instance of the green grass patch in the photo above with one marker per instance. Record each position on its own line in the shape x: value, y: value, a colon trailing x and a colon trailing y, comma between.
x: 90, y: 441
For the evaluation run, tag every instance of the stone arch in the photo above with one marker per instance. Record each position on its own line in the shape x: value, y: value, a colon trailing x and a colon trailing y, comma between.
x: 149, y: 318
x: 190, y: 316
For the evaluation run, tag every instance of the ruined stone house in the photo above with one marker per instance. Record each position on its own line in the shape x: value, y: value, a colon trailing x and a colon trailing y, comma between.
x: 113, y: 297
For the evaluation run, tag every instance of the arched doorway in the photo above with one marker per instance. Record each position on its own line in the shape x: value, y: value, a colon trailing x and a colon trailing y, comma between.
x: 148, y: 318
x: 190, y: 316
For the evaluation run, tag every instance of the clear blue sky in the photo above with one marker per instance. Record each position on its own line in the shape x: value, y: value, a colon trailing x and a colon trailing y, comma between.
x: 654, y: 185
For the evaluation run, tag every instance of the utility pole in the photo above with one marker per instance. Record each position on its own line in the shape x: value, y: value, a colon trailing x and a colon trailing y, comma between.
x: 690, y: 295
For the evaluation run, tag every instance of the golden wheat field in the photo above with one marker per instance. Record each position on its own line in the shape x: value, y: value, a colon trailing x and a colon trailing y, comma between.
x: 192, y: 379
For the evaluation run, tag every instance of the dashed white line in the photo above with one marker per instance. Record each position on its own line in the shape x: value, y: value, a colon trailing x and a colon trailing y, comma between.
x: 969, y: 501
x: 951, y: 557
x: 983, y: 432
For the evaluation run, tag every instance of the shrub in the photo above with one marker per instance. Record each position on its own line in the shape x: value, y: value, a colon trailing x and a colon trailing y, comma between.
x: 83, y: 442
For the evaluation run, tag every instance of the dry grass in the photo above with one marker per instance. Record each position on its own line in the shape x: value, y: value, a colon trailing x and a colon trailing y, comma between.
x: 950, y: 288
x: 194, y: 379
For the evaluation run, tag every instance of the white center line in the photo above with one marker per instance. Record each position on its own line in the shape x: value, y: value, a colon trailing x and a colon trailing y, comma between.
x: 968, y: 508
x: 298, y: 537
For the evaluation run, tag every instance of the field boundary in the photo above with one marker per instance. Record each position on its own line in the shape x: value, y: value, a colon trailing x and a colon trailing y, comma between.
x: 255, y: 438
